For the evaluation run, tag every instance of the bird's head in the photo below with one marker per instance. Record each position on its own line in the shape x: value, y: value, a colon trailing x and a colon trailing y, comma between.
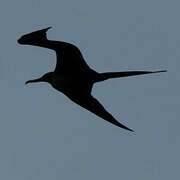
x: 45, y: 78
x: 33, y: 37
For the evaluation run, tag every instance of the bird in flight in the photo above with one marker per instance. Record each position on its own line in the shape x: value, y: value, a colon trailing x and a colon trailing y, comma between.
x: 72, y: 76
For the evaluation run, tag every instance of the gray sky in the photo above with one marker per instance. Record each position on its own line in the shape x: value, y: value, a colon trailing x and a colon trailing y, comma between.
x: 44, y: 136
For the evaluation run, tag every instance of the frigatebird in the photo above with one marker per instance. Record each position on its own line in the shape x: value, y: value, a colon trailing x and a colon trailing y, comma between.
x: 72, y: 76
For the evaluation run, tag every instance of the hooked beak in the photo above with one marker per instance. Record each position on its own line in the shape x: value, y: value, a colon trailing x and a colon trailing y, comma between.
x: 34, y: 80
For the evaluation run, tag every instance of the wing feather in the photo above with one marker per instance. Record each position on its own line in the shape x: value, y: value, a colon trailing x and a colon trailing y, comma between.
x: 92, y: 105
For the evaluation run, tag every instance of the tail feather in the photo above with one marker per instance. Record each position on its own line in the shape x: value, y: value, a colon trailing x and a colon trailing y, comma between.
x: 108, y: 75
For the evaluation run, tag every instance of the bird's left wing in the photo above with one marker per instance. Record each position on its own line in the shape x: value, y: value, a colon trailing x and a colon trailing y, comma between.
x: 34, y: 38
x: 69, y: 57
x: 92, y: 105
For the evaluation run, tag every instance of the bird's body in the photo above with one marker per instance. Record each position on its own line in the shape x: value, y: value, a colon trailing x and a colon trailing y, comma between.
x: 66, y: 83
x: 72, y: 76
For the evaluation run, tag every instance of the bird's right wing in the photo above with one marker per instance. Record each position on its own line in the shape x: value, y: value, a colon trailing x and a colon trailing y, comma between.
x: 92, y: 105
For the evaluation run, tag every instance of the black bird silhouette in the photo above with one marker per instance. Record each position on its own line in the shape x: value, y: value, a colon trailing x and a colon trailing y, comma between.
x: 72, y: 76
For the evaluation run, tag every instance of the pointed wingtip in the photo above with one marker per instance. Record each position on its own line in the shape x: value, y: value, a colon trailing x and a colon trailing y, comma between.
x: 43, y: 30
x: 48, y: 28
x: 124, y: 127
x: 159, y: 71
x: 130, y: 130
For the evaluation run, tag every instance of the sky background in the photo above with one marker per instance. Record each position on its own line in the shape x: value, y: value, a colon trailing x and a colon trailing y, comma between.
x: 45, y: 136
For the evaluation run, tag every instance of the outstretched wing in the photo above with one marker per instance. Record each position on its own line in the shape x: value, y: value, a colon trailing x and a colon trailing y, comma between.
x: 69, y: 57
x: 92, y: 105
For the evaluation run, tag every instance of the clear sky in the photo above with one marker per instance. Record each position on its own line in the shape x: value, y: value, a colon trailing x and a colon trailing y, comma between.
x: 44, y: 136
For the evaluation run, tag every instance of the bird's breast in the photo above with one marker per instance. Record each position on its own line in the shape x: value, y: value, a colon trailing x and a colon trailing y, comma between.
x: 62, y: 82
x: 69, y: 84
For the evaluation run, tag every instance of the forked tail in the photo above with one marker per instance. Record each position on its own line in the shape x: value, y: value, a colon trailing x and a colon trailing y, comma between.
x: 108, y: 75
